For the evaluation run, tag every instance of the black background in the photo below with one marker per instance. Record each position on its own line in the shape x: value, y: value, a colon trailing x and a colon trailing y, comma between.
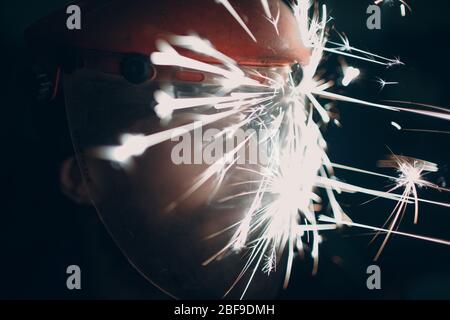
x: 42, y: 233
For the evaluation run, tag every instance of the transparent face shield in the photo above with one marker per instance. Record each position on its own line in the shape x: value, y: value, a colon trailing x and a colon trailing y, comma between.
x: 171, y: 213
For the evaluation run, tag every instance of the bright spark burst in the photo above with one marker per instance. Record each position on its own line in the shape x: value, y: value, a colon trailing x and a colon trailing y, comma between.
x: 411, y: 172
x: 286, y: 212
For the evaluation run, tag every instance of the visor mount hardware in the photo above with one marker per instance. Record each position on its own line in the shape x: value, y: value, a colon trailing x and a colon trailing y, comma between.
x: 43, y: 86
x: 296, y: 73
x: 136, y: 67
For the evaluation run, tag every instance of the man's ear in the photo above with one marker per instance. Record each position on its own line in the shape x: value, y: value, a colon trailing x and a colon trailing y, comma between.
x: 72, y: 183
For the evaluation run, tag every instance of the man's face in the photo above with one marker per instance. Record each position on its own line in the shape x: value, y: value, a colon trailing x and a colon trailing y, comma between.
x: 168, y: 218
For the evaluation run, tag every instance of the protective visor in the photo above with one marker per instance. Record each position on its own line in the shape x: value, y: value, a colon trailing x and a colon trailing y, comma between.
x: 161, y: 208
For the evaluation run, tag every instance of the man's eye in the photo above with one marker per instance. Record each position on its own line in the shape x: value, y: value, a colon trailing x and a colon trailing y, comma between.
x: 296, y: 73
x: 136, y: 68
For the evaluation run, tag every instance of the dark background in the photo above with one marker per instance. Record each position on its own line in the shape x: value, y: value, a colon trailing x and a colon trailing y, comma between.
x: 41, y: 232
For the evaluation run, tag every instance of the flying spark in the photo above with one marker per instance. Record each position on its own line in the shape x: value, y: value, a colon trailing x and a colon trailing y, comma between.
x: 384, y: 83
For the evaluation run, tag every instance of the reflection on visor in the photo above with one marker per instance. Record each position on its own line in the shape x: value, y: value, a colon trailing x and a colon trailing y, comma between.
x: 137, y: 68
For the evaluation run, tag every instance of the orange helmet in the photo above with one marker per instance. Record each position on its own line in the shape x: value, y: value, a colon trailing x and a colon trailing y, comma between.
x: 124, y: 27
